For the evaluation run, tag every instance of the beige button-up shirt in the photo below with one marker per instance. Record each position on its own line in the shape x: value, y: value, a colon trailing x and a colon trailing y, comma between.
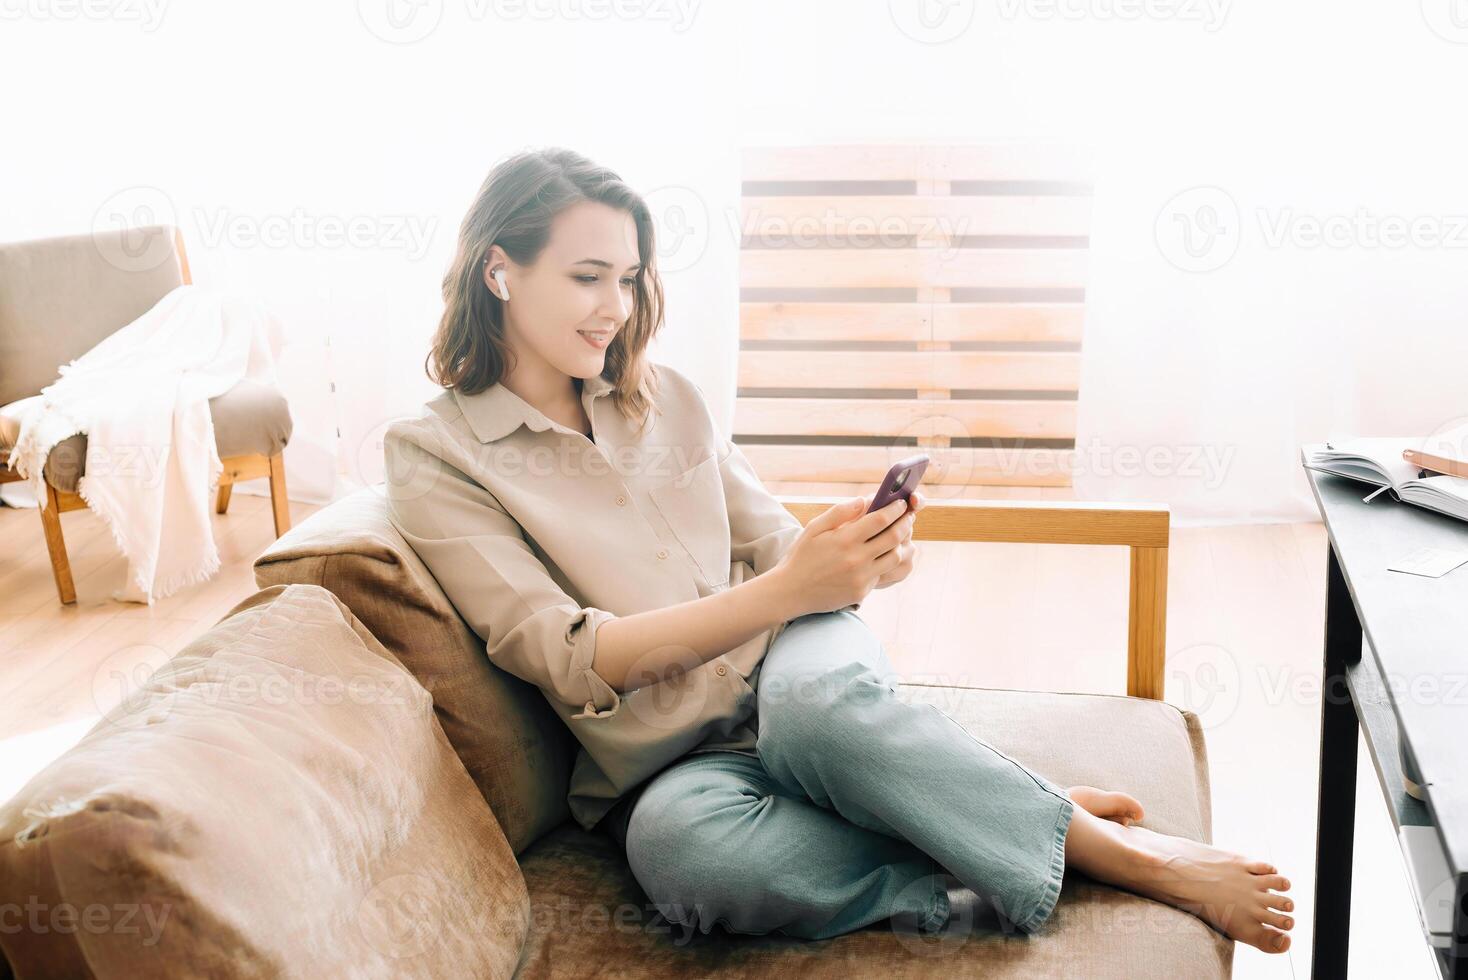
x: 538, y: 535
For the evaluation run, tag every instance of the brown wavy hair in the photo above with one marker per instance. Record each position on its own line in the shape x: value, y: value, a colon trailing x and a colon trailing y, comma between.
x: 514, y: 209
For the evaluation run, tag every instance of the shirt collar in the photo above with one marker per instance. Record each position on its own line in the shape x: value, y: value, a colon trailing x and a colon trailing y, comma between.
x: 497, y: 411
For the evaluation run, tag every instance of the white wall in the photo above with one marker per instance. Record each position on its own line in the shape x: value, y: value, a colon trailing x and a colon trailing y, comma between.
x: 1307, y: 111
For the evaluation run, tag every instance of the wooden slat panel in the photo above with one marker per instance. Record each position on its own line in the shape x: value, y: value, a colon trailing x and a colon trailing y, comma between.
x: 1026, y: 322
x: 835, y: 321
x: 836, y: 241
x: 933, y: 220
x: 1022, y: 268
x: 846, y: 162
x: 1016, y: 161
x: 1008, y: 370
x: 1003, y: 418
x: 912, y: 322
x: 937, y: 163
x: 855, y: 464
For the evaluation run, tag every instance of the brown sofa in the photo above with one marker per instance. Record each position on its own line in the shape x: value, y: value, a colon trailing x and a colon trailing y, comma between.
x: 546, y: 898
x: 276, y: 800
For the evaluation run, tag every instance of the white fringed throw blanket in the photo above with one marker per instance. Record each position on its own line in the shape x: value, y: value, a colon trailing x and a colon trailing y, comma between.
x: 142, y: 398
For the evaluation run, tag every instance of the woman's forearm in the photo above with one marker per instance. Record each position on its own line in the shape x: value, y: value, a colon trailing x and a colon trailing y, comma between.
x: 644, y: 648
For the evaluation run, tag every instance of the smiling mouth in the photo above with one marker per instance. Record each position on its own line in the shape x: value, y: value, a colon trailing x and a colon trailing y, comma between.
x: 596, y: 338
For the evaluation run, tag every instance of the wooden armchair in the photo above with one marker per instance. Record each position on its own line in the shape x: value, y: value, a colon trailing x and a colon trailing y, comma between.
x: 1141, y: 527
x: 59, y: 298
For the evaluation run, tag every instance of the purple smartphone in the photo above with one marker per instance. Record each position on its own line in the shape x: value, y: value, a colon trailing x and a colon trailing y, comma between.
x: 900, y: 481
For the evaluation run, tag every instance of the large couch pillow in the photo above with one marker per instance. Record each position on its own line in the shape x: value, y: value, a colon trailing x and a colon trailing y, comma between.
x: 515, y: 748
x: 276, y: 800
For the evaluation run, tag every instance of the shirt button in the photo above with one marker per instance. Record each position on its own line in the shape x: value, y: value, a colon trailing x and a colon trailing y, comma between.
x: 663, y: 553
x: 721, y: 670
x: 621, y: 501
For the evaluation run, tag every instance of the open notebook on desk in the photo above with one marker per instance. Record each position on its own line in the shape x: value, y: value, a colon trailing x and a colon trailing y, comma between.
x: 1379, y: 461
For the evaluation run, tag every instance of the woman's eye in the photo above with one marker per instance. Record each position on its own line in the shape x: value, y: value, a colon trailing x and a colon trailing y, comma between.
x: 629, y: 283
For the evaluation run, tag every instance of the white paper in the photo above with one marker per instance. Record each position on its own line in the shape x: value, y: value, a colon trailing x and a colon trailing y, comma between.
x: 1432, y: 562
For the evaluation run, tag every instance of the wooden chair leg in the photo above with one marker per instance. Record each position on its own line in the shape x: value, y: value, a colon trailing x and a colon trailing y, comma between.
x: 56, y: 545
x: 280, y: 506
x: 221, y: 504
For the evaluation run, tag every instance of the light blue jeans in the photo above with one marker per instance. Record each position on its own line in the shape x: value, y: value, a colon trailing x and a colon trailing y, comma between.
x: 857, y: 809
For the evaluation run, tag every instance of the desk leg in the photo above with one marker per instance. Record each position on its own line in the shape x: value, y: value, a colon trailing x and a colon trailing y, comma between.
x: 1336, y: 816
x: 1458, y: 952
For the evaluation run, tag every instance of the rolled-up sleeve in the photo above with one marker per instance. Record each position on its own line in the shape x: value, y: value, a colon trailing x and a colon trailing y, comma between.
x: 761, y: 530
x: 478, y: 553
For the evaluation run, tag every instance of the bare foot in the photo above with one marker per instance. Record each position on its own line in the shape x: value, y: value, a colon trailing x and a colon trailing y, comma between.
x: 1235, y: 895
x: 1109, y: 805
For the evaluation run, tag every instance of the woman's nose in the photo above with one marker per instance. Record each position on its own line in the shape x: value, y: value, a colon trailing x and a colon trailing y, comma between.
x: 616, y: 307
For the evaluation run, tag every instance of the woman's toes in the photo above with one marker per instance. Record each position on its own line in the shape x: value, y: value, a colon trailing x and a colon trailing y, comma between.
x: 1275, y: 882
x: 1261, y: 868
x: 1282, y: 922
x: 1274, y: 941
x: 1279, y: 902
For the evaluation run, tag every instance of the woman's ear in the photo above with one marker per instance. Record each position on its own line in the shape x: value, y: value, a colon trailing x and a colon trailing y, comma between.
x: 494, y: 259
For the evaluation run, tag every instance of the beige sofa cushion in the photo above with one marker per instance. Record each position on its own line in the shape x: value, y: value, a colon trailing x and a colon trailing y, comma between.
x: 515, y: 748
x: 277, y: 800
x: 587, y: 911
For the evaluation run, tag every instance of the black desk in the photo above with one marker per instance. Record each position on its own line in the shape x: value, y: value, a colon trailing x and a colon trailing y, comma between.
x: 1416, y: 630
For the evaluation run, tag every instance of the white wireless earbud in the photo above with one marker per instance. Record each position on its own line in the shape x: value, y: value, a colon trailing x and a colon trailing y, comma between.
x: 499, y: 277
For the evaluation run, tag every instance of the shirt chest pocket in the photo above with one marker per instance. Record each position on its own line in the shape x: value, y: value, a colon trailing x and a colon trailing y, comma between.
x: 693, y: 505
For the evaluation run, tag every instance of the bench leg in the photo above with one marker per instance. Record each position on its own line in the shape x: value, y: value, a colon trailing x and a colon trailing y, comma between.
x: 221, y: 504
x: 56, y: 545
x: 280, y: 506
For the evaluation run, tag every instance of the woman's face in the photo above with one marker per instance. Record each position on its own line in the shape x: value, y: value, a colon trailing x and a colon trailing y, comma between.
x: 566, y: 307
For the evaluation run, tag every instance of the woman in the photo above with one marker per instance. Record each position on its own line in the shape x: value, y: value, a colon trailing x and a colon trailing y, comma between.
x: 740, y: 737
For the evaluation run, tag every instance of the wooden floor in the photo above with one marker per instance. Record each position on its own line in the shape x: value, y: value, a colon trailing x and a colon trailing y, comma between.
x: 1244, y: 647
x: 62, y: 666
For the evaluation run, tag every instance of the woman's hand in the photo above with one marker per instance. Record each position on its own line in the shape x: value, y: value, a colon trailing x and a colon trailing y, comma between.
x: 843, y: 553
x: 907, y: 548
